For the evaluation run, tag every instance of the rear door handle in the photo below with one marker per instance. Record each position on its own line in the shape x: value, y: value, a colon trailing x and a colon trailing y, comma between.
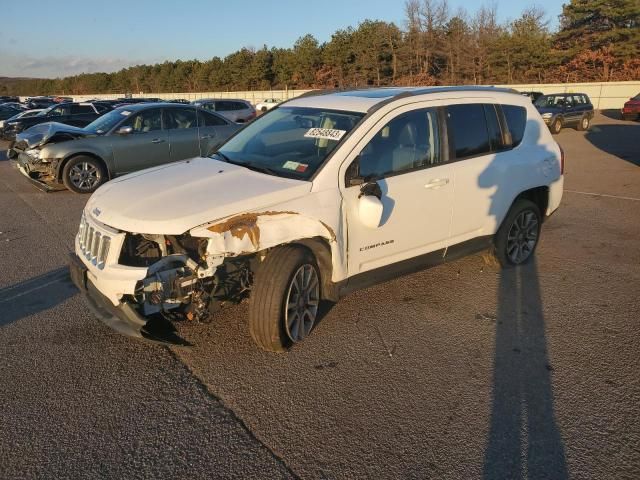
x: 157, y: 140
x: 437, y: 183
x: 204, y: 137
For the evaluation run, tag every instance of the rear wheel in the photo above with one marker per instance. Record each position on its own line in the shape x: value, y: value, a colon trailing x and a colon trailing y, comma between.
x: 556, y: 126
x: 517, y: 238
x: 585, y: 123
x: 83, y: 174
x: 284, y: 303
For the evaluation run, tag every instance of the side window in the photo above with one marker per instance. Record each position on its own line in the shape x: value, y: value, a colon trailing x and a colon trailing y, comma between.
x: 468, y: 130
x: 210, y: 106
x: 239, y: 106
x: 493, y: 126
x: 516, y: 118
x: 147, y: 121
x: 207, y: 120
x: 577, y: 100
x: 178, y: 118
x: 585, y: 99
x: 59, y: 110
x: 78, y: 109
x: 408, y: 142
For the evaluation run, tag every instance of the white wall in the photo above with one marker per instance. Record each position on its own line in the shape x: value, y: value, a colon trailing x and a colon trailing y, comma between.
x: 608, y: 95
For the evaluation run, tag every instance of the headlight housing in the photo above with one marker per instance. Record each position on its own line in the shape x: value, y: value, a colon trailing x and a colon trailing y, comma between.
x: 547, y: 115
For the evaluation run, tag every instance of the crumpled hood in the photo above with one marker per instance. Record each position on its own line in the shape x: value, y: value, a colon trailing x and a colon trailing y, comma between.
x: 174, y: 198
x: 40, y: 134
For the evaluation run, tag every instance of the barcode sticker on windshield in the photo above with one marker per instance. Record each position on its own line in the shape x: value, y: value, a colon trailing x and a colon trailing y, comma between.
x: 328, y: 133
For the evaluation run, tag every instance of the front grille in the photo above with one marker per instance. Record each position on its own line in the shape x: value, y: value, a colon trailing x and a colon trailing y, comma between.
x: 93, y: 244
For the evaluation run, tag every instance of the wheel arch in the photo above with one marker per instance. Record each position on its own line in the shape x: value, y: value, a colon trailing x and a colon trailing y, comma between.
x: 321, y: 250
x: 68, y: 158
x: 538, y: 195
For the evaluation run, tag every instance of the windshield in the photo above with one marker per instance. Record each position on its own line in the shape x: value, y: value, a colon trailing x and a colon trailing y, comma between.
x: 290, y: 141
x: 106, y: 122
x: 550, y: 101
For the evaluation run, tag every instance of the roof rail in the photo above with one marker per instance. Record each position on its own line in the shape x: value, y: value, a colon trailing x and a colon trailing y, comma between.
x: 425, y: 90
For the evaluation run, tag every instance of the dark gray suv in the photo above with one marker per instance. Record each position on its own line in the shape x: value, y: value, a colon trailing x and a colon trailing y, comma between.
x: 124, y: 140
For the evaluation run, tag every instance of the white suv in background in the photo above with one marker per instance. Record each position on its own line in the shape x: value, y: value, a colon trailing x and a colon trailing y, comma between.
x: 321, y: 195
x: 234, y: 109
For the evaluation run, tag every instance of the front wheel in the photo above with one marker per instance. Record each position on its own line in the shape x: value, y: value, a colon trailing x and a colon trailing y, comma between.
x: 517, y: 237
x: 556, y: 126
x: 83, y: 174
x: 284, y: 303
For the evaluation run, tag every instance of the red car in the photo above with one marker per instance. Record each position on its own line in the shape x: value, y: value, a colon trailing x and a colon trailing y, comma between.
x: 631, y: 109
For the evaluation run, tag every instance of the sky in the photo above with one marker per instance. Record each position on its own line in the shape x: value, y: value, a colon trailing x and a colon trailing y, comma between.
x: 97, y: 36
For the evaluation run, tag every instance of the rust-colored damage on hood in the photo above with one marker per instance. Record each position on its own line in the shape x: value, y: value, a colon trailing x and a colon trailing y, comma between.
x: 244, y: 224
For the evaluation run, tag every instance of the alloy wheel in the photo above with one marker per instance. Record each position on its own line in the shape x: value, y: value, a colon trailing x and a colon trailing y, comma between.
x: 522, y: 237
x: 84, y: 175
x: 302, y: 301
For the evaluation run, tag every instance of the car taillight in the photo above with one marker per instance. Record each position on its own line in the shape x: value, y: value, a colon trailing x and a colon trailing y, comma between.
x: 561, y: 161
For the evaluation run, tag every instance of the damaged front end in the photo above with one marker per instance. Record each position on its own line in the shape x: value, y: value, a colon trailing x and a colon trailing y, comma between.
x: 160, y: 279
x: 32, y: 160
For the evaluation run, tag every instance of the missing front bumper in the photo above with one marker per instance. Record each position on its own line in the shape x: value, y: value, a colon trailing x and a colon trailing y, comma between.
x: 123, y: 318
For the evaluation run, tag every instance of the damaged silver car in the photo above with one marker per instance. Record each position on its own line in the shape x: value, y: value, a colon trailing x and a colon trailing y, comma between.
x: 127, y: 139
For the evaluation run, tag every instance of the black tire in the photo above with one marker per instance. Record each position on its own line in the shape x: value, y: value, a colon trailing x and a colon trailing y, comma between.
x: 503, y: 241
x: 96, y: 174
x: 263, y: 109
x: 556, y: 126
x: 269, y: 297
x: 584, y: 124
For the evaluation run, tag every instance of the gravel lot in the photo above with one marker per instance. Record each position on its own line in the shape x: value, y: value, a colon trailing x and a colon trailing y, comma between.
x: 461, y: 371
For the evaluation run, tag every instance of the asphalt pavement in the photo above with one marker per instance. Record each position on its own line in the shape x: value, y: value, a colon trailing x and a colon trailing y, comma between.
x: 461, y: 371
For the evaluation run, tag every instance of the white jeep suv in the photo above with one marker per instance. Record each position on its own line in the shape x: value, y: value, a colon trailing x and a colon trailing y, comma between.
x: 321, y: 195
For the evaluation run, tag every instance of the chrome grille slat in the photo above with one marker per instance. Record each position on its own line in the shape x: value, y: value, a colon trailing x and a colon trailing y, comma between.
x: 93, y: 244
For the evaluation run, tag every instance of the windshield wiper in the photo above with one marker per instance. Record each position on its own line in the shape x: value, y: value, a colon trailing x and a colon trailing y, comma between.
x: 258, y: 168
x: 249, y: 165
x: 223, y: 157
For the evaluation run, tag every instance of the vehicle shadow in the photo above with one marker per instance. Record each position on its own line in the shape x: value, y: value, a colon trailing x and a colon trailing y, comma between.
x: 611, y: 113
x: 35, y: 295
x: 618, y: 140
x: 524, y: 440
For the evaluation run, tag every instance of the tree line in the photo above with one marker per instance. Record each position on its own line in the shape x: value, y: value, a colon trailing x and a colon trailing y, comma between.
x: 597, y: 40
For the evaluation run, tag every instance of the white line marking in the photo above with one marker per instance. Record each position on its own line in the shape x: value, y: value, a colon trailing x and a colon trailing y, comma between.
x: 31, y: 290
x: 603, y: 195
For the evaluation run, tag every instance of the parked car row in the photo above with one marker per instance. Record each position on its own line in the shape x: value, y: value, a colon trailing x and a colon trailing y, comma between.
x: 126, y: 139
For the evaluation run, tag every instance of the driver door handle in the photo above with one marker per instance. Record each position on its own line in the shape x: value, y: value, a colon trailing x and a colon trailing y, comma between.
x: 436, y: 183
x: 204, y: 137
x: 157, y: 140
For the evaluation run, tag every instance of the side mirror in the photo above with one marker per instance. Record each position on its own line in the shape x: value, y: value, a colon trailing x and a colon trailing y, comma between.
x: 124, y: 130
x: 369, y: 205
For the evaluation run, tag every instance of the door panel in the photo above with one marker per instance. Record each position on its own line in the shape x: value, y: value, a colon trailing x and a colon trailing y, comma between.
x: 415, y: 220
x: 146, y: 146
x: 404, y: 158
x: 182, y: 128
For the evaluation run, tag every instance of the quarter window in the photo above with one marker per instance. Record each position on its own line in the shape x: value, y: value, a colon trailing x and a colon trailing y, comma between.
x: 468, y: 130
x: 208, y: 120
x: 516, y: 118
x: 408, y: 142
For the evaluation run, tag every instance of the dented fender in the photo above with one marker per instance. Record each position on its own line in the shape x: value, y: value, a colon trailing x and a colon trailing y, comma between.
x: 252, y: 232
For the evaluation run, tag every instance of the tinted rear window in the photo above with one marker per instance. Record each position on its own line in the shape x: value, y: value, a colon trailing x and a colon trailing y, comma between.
x: 516, y: 121
x: 468, y: 128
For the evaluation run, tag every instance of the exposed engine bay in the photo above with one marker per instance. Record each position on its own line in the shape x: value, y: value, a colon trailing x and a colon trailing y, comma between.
x: 183, y: 281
